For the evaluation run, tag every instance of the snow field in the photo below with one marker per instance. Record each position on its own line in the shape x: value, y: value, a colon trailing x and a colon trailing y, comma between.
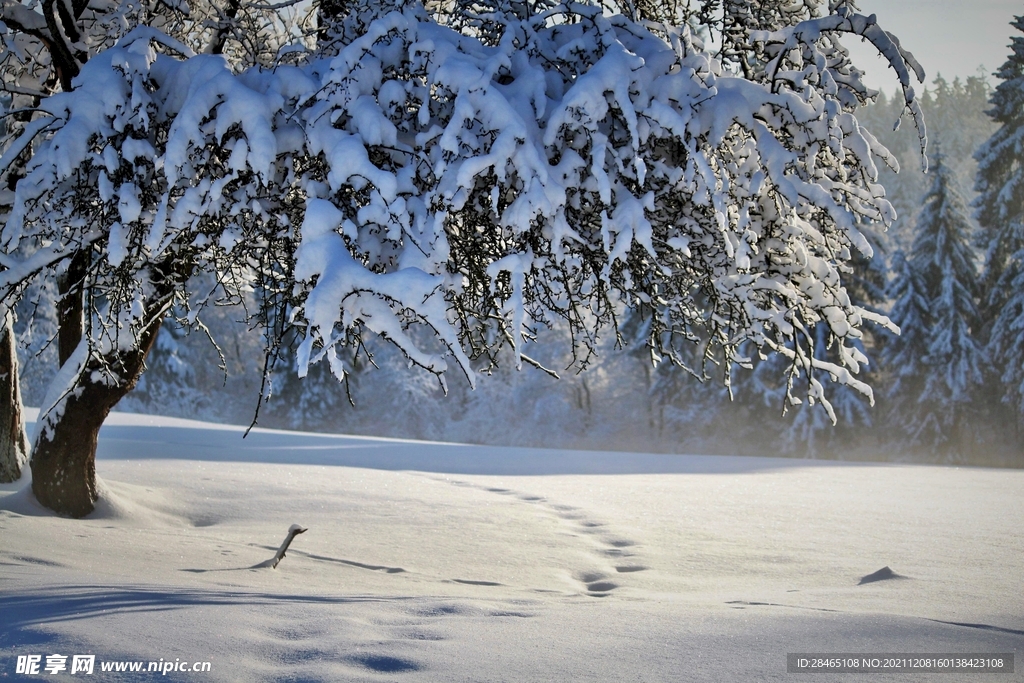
x: 444, y: 562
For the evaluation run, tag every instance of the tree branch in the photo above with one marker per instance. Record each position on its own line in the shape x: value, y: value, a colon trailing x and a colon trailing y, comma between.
x: 63, y: 61
x: 68, y: 21
x: 224, y: 26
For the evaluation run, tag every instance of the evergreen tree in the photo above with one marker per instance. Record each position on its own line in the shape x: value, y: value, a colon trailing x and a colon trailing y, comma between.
x: 903, y: 355
x: 1000, y: 183
x: 1000, y: 213
x: 936, y: 307
x: 956, y: 120
x: 1006, y: 342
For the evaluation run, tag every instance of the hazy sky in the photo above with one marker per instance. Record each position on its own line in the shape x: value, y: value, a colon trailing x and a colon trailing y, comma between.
x: 951, y: 37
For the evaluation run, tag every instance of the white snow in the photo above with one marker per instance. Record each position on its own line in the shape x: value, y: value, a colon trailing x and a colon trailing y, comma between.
x: 446, y: 562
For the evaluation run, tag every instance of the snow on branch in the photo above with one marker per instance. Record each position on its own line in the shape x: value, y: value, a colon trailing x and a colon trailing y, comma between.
x: 803, y: 46
x: 450, y: 191
x: 293, y: 531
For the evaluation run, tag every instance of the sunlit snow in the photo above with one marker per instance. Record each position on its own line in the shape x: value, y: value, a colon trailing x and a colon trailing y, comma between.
x: 445, y: 562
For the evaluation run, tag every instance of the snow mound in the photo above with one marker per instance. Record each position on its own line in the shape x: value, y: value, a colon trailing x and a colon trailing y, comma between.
x: 22, y: 502
x: 883, y: 574
x: 133, y: 506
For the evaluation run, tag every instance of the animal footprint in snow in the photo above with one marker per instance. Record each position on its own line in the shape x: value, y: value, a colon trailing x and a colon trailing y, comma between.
x: 596, y: 582
x: 602, y: 586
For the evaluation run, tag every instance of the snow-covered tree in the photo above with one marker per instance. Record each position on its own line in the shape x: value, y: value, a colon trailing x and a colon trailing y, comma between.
x: 935, y: 394
x: 903, y: 355
x: 1000, y: 212
x: 43, y: 48
x: 811, y: 432
x: 453, y: 193
x: 817, y: 432
x: 956, y: 120
x: 1006, y: 339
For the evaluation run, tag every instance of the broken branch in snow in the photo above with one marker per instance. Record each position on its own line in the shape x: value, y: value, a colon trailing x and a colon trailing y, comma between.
x: 293, y: 531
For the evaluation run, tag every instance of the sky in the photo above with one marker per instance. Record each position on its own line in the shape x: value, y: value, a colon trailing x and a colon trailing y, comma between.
x: 948, y: 37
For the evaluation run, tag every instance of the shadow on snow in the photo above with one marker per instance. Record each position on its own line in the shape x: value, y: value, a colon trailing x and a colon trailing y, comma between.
x: 225, y: 444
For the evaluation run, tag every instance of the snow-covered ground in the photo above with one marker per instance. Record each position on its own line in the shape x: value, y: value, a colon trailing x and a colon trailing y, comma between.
x: 443, y: 562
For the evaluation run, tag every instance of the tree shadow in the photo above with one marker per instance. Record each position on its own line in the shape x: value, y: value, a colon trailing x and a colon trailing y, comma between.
x: 40, y: 606
x: 26, y: 615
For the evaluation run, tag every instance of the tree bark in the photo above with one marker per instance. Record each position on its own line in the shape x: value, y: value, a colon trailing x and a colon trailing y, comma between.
x: 13, y: 440
x: 71, y: 307
x: 64, y: 456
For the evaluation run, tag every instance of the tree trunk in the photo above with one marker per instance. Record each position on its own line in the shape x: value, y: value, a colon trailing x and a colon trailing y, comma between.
x: 64, y: 456
x: 13, y: 440
x: 71, y: 307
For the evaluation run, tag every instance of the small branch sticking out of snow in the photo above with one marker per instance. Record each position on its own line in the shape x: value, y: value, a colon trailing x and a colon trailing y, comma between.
x: 293, y: 531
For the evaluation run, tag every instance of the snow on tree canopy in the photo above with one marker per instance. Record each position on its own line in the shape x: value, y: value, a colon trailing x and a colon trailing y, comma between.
x: 423, y: 179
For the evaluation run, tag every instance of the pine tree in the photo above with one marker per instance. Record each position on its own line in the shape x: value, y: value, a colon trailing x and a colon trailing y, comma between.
x: 935, y: 400
x: 957, y: 121
x: 903, y: 355
x: 1006, y: 342
x: 1000, y: 213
